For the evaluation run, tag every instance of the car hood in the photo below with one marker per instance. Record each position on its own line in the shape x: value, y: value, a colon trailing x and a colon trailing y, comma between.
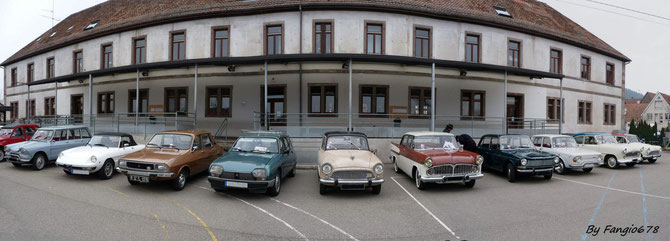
x: 85, y: 152
x: 155, y: 155
x: 28, y: 145
x: 618, y: 146
x: 638, y: 146
x: 573, y: 151
x: 351, y: 158
x: 236, y: 161
x: 530, y: 154
x: 449, y: 156
x: 4, y: 137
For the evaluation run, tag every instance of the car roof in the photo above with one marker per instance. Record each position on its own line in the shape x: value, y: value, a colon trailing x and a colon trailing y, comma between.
x: 624, y: 135
x: 499, y: 135
x: 62, y: 127
x: 114, y: 134
x: 428, y: 133
x: 188, y: 132
x: 344, y: 133
x: 14, y: 125
x: 591, y: 134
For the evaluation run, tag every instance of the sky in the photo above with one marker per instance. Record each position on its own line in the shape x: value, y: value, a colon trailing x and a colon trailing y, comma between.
x: 644, y: 39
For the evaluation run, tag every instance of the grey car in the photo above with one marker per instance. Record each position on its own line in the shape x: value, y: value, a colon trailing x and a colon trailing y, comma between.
x: 46, y: 144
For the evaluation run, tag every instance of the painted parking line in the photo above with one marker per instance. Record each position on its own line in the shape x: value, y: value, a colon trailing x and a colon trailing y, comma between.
x: 167, y: 236
x: 426, y: 209
x: 204, y: 225
x: 595, y: 212
x: 644, y: 203
x: 613, y: 189
x: 117, y: 191
x: 317, y: 218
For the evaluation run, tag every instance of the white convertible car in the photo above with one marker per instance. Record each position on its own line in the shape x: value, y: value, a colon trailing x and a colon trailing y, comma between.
x: 99, y: 157
x: 566, y: 148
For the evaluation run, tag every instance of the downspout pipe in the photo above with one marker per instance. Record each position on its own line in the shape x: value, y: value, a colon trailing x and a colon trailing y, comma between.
x: 300, y: 71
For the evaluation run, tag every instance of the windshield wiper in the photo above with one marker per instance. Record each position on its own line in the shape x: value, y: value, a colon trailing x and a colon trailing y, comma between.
x: 355, y: 145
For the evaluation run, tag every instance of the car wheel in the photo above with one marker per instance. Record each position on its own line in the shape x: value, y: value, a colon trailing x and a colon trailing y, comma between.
x: 630, y: 164
x: 417, y: 180
x: 179, y: 183
x: 16, y: 164
x: 323, y: 189
x: 377, y: 189
x: 511, y: 173
x: 2, y: 156
x: 293, y: 170
x: 652, y: 160
x: 107, y: 170
x: 395, y: 167
x: 548, y: 176
x: 67, y: 172
x: 587, y: 170
x: 132, y: 182
x: 560, y: 168
x: 470, y: 184
x: 39, y: 161
x: 612, y: 162
x: 274, y: 191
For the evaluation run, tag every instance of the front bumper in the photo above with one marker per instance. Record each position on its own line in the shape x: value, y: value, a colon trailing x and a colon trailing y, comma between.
x: 220, y: 183
x: 536, y: 170
x: 451, y: 179
x: 152, y: 175
x: 655, y: 155
x: 69, y: 168
x: 585, y: 164
x: 15, y: 157
x: 340, y: 182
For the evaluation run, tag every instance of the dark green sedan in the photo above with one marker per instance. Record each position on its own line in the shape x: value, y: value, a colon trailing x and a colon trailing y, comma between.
x: 514, y: 155
x: 257, y: 161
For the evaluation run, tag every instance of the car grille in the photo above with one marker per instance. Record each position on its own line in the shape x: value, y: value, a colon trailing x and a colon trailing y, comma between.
x: 633, y: 154
x: 352, y: 174
x: 13, y: 156
x: 654, y: 153
x: 543, y: 162
x: 454, y: 170
x: 142, y: 166
x: 237, y: 175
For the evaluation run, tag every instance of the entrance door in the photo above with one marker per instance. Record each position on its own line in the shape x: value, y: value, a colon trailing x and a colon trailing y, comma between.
x: 276, y: 104
x: 515, y: 111
x: 77, y: 107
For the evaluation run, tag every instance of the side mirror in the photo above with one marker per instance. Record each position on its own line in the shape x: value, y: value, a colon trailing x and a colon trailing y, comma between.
x: 126, y: 144
x: 374, y: 151
x: 195, y: 148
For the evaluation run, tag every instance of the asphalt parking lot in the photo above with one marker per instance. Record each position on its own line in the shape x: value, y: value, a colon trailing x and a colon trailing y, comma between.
x: 49, y: 205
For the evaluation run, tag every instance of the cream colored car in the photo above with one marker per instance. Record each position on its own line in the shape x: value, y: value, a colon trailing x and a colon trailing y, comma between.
x: 347, y: 163
x: 614, y: 153
x: 649, y: 152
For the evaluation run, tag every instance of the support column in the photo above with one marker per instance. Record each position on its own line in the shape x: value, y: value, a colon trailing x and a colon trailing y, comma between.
x: 28, y: 105
x: 433, y: 98
x: 504, y: 102
x: 265, y: 94
x: 560, y: 101
x: 55, y: 103
x: 195, y: 98
x: 137, y: 99
x: 350, y: 117
x: 90, y: 97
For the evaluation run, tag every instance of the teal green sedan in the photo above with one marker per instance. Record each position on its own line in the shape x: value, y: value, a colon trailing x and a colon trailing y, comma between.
x: 257, y: 161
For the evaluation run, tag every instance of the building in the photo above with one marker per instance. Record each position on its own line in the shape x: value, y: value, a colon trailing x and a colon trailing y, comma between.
x: 652, y: 108
x: 497, y: 66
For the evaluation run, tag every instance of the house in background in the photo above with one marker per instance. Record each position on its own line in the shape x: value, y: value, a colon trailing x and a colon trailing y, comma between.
x: 652, y: 108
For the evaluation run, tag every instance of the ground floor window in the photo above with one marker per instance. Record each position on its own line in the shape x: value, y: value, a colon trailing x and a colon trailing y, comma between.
x: 30, y: 106
x: 554, y: 109
x: 323, y: 99
x: 610, y: 114
x: 420, y: 101
x: 472, y: 104
x: 373, y: 100
x: 584, y: 112
x: 144, y: 100
x: 218, y: 101
x: 106, y: 103
x: 77, y: 104
x: 15, y: 110
x: 176, y: 99
x: 50, y: 106
x: 276, y: 105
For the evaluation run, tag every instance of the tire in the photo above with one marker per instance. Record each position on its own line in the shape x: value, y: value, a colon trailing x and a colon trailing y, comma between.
x: 612, y: 162
x: 66, y: 172
x: 16, y: 164
x: 39, y: 161
x: 293, y: 170
x: 587, y: 170
x: 652, y: 160
x: 219, y: 189
x: 132, y: 182
x: 179, y: 183
x: 470, y: 184
x: 323, y: 189
x: 376, y: 189
x: 396, y: 168
x: 417, y: 180
x: 274, y: 191
x: 107, y: 170
x: 548, y: 176
x: 511, y: 173
x: 2, y: 155
x: 560, y: 168
x: 630, y: 164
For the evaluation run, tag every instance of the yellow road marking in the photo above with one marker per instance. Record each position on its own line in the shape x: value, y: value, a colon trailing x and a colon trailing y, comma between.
x: 117, y: 191
x: 167, y: 237
x: 196, y: 216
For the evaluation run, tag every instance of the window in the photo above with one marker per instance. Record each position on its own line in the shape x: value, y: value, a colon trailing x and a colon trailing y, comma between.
x: 422, y: 43
x: 502, y: 11
x: 556, y: 61
x: 106, y: 103
x: 472, y: 48
x: 649, y: 116
x: 206, y: 141
x: 106, y: 56
x: 273, y: 39
x: 178, y: 46
x: 51, y: 67
x: 220, y: 42
x: 92, y: 25
x: 78, y: 63
x: 472, y: 104
x: 419, y: 101
x: 485, y: 142
x: 50, y: 106
x: 144, y: 100
x: 15, y: 110
x: 554, y: 110
x: 584, y: 112
x: 374, y: 38
x: 31, y: 72
x: 323, y: 38
x: 323, y: 99
x: 585, y: 68
x: 176, y: 99
x: 514, y: 54
x: 610, y: 114
x: 218, y: 101
x: 30, y: 106
x: 374, y: 99
x: 13, y: 77
x: 609, y: 75
x: 139, y: 50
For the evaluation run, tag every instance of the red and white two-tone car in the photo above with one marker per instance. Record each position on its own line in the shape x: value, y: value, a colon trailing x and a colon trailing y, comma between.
x: 435, y: 157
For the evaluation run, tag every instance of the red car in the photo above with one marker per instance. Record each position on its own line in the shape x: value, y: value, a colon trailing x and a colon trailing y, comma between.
x: 15, y: 133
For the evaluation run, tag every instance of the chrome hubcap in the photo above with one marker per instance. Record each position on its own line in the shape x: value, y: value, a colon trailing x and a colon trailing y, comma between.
x: 559, y: 168
x: 182, y: 179
x: 277, y: 184
x: 39, y: 162
x: 417, y: 178
x: 2, y: 155
x: 395, y: 166
x: 611, y: 161
x: 108, y: 169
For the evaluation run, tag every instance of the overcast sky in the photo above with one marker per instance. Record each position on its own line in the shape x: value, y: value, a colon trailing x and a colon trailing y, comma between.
x: 647, y: 43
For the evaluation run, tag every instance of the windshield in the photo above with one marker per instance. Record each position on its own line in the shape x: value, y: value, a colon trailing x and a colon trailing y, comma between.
x: 514, y: 142
x: 606, y: 139
x: 256, y: 144
x: 172, y: 141
x: 4, y: 132
x: 42, y: 135
x: 632, y: 139
x: 106, y: 141
x: 564, y: 142
x: 435, y: 142
x: 343, y: 142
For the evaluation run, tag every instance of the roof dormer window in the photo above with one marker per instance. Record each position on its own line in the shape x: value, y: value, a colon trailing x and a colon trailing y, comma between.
x: 52, y: 34
x: 92, y: 25
x: 38, y: 39
x: 502, y: 11
x: 70, y: 29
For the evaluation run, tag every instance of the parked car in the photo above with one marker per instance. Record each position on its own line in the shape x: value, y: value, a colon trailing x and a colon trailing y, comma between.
x: 46, y: 144
x: 614, y: 153
x: 514, y: 155
x: 435, y: 157
x: 569, y: 154
x: 100, y: 156
x: 649, y: 152
x: 15, y: 133
x: 345, y: 161
x: 257, y: 161
x: 171, y: 156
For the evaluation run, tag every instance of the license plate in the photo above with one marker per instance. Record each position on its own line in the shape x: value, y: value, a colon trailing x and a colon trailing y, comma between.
x: 236, y: 184
x: 139, y: 179
x: 80, y: 172
x: 588, y: 166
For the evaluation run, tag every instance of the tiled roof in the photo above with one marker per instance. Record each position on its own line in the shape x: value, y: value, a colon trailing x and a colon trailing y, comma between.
x: 649, y: 96
x: 529, y: 16
x: 634, y: 111
x: 632, y: 101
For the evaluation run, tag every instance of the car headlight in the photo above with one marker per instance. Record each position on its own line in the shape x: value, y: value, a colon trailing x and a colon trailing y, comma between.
x: 379, y: 169
x: 92, y: 159
x: 428, y: 162
x: 122, y: 163
x: 577, y: 159
x: 162, y: 167
x: 23, y: 150
x: 259, y: 172
x: 600, y: 157
x: 60, y: 155
x: 326, y: 168
x: 6, y: 149
x: 215, y: 170
x: 556, y: 160
x: 524, y: 162
x: 479, y: 160
x: 625, y: 150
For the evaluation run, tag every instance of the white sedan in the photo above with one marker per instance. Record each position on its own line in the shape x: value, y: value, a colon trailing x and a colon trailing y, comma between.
x: 99, y: 157
x: 566, y: 148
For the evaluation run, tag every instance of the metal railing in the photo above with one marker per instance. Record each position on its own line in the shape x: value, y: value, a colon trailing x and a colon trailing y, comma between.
x: 222, y: 130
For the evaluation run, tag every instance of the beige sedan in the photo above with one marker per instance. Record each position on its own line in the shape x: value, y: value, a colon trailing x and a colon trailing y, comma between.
x: 347, y: 163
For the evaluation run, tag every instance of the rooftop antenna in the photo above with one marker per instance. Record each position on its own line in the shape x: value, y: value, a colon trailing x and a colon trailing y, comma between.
x: 52, y: 14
